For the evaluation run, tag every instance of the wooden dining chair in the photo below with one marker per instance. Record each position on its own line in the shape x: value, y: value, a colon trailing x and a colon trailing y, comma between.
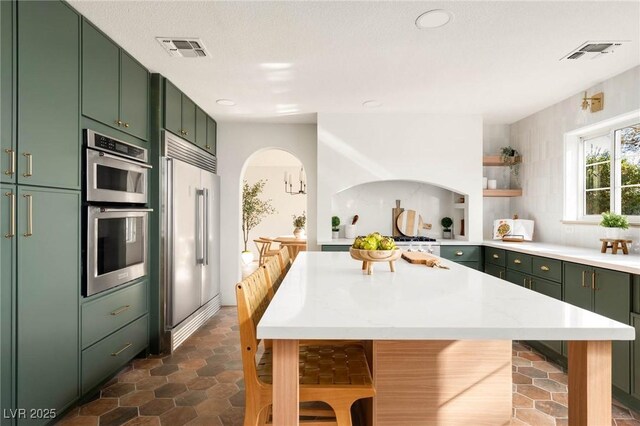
x: 264, y: 248
x: 337, y: 375
x: 273, y: 275
x: 285, y: 259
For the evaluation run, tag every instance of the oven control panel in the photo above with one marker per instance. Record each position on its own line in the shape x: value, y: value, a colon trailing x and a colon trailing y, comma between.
x: 114, y: 146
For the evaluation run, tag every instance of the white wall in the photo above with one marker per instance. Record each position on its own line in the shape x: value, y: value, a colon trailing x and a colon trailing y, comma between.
x: 445, y: 150
x: 373, y: 203
x: 271, y: 165
x: 540, y: 140
x: 236, y: 143
x: 495, y: 136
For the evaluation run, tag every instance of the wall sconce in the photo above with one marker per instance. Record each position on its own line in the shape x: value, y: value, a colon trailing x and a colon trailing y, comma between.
x: 594, y: 103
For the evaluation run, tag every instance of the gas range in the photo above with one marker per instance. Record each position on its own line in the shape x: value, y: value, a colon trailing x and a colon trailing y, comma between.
x: 425, y: 244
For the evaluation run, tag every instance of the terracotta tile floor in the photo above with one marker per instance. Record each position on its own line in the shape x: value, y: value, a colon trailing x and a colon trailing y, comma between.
x: 201, y: 384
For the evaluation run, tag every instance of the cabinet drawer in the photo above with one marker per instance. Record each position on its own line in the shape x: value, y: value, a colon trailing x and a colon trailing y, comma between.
x: 461, y: 253
x: 105, y: 357
x: 519, y: 262
x: 495, y: 270
x: 547, y: 288
x: 335, y: 248
x: 105, y: 315
x: 546, y: 268
x: 495, y: 256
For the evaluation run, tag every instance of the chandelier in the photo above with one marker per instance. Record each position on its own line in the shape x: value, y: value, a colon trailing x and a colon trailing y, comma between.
x: 288, y: 183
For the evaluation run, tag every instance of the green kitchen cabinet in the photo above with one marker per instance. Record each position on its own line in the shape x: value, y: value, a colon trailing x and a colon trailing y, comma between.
x: 115, y: 87
x: 7, y: 100
x: 551, y: 289
x: 519, y: 262
x: 335, y: 247
x: 607, y: 293
x: 495, y: 270
x: 469, y: 256
x: 188, y: 119
x: 201, y: 128
x: 172, y: 108
x: 495, y: 256
x: 212, y: 135
x: 518, y: 278
x: 635, y: 351
x: 48, y: 93
x: 7, y: 292
x: 48, y: 291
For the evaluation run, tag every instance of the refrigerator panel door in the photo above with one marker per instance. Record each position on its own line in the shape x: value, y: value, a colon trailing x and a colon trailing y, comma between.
x: 211, y: 267
x: 185, y: 286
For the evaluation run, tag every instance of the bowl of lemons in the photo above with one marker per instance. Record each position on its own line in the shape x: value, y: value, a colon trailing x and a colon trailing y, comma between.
x: 375, y: 248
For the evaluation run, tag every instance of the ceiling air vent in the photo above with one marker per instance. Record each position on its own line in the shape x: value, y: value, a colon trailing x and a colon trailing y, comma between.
x: 183, y: 47
x: 593, y: 49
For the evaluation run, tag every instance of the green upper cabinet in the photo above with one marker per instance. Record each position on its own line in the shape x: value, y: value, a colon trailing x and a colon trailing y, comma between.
x: 134, y: 97
x: 212, y: 135
x: 7, y: 290
x: 172, y: 108
x: 48, y: 293
x: 115, y: 88
x: 7, y: 140
x: 48, y: 114
x: 100, y: 76
x: 201, y: 128
x: 188, y: 119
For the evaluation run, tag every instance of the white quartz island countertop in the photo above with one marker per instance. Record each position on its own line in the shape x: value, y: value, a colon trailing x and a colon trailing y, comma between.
x: 325, y: 295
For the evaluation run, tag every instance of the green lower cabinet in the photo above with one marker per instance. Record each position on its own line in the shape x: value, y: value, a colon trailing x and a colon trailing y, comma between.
x: 518, y: 278
x: 103, y: 359
x: 334, y: 247
x: 495, y: 256
x: 495, y: 270
x: 461, y: 253
x: 577, y: 285
x: 635, y: 351
x: 473, y: 265
x: 519, y: 262
x: 48, y: 292
x: 554, y: 290
x: 7, y: 291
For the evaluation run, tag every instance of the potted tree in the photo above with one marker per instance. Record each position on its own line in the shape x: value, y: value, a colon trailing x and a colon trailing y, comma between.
x: 612, y: 224
x: 335, y: 227
x: 253, y: 211
x: 446, y: 223
x: 299, y: 222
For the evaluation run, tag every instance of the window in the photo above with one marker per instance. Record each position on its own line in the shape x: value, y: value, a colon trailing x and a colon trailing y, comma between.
x: 611, y: 172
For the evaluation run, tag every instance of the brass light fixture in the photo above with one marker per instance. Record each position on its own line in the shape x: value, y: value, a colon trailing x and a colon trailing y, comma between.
x: 594, y: 103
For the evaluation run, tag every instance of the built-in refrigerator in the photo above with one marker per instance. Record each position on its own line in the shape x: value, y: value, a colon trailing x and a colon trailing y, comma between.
x: 190, y: 239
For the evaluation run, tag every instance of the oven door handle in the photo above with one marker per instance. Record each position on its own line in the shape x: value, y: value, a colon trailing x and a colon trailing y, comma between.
x: 109, y: 210
x: 125, y: 160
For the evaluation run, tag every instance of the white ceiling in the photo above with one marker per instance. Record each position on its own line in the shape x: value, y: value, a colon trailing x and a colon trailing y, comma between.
x: 287, y: 61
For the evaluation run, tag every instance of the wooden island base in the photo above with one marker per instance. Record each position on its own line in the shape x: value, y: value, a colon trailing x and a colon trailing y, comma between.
x: 456, y: 382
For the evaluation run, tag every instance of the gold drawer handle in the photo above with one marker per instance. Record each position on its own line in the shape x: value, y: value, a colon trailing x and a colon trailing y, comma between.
x: 517, y: 261
x: 118, y: 122
x: 459, y: 253
x: 500, y: 274
x: 12, y: 162
x: 544, y: 268
x: 207, y: 147
x: 495, y: 256
x: 583, y: 279
x: 127, y: 346
x: 120, y: 310
x: 126, y: 124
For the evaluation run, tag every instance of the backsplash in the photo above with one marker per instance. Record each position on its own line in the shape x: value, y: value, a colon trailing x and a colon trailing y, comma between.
x: 373, y: 202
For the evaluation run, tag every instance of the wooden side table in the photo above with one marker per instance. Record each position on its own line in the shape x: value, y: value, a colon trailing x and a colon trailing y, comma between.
x: 614, y: 245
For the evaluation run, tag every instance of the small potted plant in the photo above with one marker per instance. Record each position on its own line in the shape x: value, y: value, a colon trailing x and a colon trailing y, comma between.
x: 510, y: 157
x: 299, y: 222
x: 612, y: 224
x: 335, y: 227
x: 446, y: 223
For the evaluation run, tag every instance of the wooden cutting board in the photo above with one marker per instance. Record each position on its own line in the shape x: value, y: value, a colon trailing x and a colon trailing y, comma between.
x: 423, y: 258
x: 395, y: 212
x: 410, y: 222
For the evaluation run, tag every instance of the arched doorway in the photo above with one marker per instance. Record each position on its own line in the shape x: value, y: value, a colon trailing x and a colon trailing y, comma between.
x: 272, y: 166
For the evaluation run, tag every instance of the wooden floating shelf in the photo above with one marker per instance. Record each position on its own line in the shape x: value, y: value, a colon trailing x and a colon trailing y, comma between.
x: 502, y: 192
x: 494, y: 160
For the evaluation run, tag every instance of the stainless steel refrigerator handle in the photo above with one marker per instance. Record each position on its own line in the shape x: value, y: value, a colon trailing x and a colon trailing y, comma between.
x: 205, y: 237
x: 199, y: 229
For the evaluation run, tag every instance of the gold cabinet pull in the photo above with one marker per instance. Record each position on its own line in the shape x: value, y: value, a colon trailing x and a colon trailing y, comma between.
x: 583, y: 279
x: 126, y: 124
x: 495, y: 256
x: 127, y: 346
x: 29, y: 158
x: 120, y: 310
x: 500, y: 274
x: 12, y: 215
x: 207, y: 147
x: 118, y: 122
x: 12, y: 162
x: 517, y: 261
x: 29, y: 198
x: 525, y: 283
x: 544, y: 268
x: 459, y: 253
x: 593, y: 281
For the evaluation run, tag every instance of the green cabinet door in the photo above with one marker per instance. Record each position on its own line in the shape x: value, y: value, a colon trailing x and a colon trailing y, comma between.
x: 48, y: 115
x: 172, y: 108
x: 188, y: 119
x: 612, y: 299
x: 635, y: 345
x: 100, y: 76
x: 201, y: 128
x: 495, y: 270
x: 48, y: 290
x: 134, y: 97
x: 212, y: 135
x: 554, y: 290
x: 7, y: 100
x: 517, y: 278
x: 577, y: 285
x: 7, y: 291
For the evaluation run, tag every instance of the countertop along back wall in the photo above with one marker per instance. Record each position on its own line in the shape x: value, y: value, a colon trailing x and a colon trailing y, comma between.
x: 444, y: 150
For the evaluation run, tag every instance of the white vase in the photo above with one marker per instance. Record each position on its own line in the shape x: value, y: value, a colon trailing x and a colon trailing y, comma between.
x: 299, y: 233
x: 335, y: 234
x: 612, y: 233
x: 350, y: 231
x: 247, y: 257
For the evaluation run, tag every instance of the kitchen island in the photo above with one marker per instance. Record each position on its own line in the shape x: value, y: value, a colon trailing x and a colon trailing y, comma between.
x: 441, y: 339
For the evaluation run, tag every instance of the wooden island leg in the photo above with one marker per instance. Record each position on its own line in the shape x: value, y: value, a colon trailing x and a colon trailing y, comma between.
x: 589, y: 383
x: 285, y: 382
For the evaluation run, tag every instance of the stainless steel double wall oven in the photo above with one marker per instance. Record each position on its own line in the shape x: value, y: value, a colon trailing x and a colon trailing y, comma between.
x: 116, y: 216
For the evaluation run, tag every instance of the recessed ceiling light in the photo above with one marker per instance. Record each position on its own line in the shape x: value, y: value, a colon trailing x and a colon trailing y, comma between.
x: 225, y: 102
x: 433, y: 19
x: 371, y: 104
